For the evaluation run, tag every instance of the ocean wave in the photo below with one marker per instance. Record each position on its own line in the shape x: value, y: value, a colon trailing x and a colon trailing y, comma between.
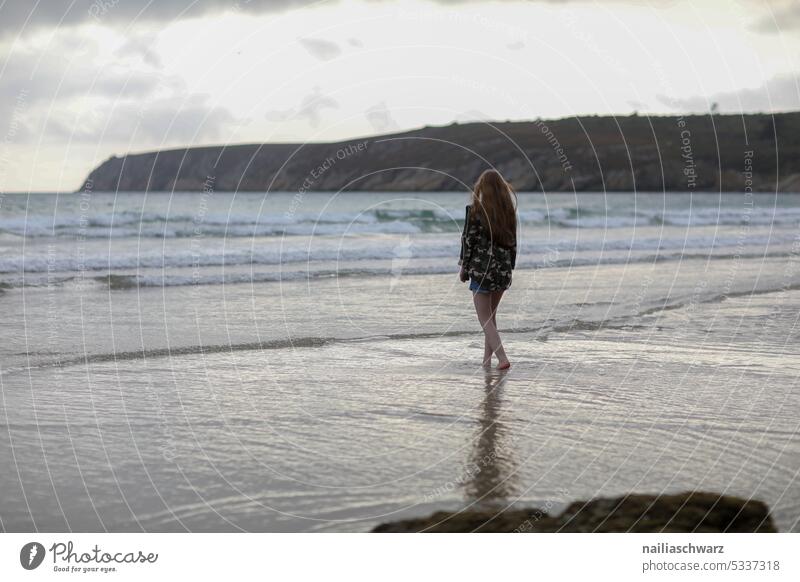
x: 132, y: 224
x: 380, y: 249
x: 116, y: 280
x: 214, y: 228
x: 164, y: 225
x: 188, y: 259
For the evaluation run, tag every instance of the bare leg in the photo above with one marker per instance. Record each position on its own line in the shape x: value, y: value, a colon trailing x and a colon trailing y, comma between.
x: 496, y: 297
x: 487, y: 350
x: 483, y: 308
x: 501, y: 353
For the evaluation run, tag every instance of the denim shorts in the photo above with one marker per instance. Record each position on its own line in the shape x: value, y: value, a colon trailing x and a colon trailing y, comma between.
x: 475, y: 287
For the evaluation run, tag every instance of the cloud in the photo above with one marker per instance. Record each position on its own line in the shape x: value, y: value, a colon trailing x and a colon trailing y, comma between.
x: 380, y: 118
x: 781, y: 93
x: 14, y: 126
x: 21, y: 16
x: 324, y: 50
x: 140, y: 46
x: 278, y: 115
x: 184, y: 120
x: 33, y: 83
x: 310, y: 109
x: 24, y: 16
x: 313, y: 104
x: 56, y: 94
x: 65, y: 71
x: 782, y: 18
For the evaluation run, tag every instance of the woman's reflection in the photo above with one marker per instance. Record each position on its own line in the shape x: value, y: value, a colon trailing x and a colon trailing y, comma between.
x: 491, y: 470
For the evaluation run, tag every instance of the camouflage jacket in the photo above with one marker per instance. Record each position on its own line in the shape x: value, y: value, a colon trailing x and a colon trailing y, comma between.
x: 488, y: 263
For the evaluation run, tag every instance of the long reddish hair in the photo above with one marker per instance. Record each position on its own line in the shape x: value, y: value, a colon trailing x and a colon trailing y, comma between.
x: 494, y: 202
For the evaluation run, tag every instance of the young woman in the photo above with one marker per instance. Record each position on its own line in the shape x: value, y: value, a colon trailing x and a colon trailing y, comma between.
x: 489, y: 254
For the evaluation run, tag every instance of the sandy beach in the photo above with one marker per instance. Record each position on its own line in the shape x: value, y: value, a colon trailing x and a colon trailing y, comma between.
x: 290, y: 382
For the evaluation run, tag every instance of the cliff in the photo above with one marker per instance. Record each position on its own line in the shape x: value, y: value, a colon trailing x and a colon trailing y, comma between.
x: 692, y: 153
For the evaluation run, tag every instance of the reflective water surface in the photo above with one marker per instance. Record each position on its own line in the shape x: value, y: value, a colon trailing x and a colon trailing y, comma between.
x: 210, y: 396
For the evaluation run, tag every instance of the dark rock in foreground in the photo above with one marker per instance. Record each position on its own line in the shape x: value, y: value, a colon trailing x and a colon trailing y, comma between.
x: 684, y: 512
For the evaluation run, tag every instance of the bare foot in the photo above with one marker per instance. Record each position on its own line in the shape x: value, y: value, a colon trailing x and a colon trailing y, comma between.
x: 504, y: 365
x: 487, y: 364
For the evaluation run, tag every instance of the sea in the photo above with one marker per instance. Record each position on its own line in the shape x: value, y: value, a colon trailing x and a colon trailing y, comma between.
x: 309, y: 361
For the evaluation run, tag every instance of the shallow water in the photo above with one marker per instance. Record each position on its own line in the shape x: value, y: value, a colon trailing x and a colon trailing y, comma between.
x: 654, y: 351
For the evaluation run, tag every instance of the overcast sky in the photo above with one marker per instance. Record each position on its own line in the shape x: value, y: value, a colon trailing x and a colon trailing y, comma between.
x: 83, y: 80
